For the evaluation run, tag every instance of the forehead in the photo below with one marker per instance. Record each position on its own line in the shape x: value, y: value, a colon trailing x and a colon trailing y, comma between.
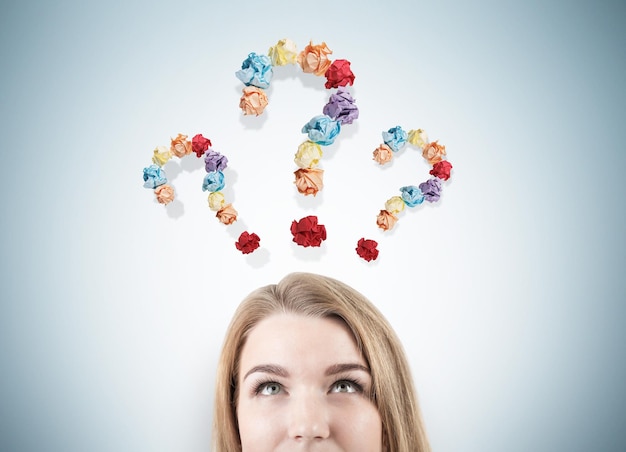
x: 300, y: 342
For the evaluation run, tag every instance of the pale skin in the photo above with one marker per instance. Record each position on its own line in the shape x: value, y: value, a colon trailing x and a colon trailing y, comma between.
x: 304, y: 386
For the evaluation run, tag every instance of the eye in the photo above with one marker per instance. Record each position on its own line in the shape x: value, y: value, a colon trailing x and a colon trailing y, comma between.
x: 269, y: 388
x: 346, y: 386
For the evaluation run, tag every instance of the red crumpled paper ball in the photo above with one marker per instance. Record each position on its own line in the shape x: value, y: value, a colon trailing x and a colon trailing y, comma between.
x: 441, y: 170
x: 339, y: 74
x: 367, y: 249
x: 199, y: 144
x: 307, y: 232
x: 247, y: 242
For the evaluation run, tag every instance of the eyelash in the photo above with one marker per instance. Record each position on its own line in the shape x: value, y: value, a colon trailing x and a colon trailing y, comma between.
x: 261, y: 384
x: 358, y: 387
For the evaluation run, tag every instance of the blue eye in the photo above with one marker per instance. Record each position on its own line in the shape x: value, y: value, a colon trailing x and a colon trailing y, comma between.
x: 269, y: 389
x: 346, y: 386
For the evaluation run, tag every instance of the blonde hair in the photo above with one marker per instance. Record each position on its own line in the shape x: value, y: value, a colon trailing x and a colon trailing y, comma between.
x: 320, y: 296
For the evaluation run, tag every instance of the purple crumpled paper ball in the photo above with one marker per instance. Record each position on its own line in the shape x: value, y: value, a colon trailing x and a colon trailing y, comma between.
x: 341, y: 107
x: 431, y: 189
x: 214, y: 161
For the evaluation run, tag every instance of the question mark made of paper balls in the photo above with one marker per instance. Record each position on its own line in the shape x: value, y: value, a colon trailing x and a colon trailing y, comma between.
x: 256, y: 73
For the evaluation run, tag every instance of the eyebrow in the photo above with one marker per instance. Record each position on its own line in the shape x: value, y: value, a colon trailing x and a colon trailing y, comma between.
x: 340, y: 368
x: 282, y: 372
x: 268, y: 369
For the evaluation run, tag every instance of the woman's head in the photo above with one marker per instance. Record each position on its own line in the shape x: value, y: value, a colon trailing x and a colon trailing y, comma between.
x: 303, y: 309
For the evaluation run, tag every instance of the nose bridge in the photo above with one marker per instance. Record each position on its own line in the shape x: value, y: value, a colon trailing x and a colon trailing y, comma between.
x: 308, y: 415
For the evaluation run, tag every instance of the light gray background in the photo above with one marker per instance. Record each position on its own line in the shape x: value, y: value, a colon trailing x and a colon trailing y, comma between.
x: 508, y: 295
